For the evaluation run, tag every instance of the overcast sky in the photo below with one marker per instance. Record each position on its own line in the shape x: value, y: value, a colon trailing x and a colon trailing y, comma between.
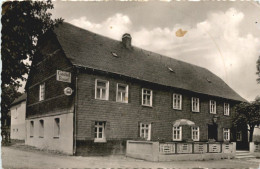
x: 223, y: 37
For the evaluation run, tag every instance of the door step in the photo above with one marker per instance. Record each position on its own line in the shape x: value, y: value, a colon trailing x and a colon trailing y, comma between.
x: 244, y: 155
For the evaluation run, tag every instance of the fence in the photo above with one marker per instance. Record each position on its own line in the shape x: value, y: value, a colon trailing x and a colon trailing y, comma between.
x: 170, y: 151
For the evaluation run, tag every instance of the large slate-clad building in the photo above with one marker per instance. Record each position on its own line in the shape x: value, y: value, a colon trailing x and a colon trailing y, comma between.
x: 120, y: 92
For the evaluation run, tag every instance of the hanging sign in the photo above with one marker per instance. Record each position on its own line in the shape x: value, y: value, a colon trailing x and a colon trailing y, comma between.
x: 68, y: 91
x: 63, y: 76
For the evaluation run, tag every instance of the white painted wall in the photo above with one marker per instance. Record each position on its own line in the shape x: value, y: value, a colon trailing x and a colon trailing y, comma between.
x: 65, y: 141
x: 18, y: 128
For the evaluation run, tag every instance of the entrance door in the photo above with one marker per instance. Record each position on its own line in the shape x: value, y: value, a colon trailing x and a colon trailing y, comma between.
x: 213, y: 132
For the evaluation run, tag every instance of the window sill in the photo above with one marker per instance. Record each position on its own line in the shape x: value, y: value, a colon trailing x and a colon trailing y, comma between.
x: 121, y: 102
x: 176, y: 140
x: 147, y: 106
x: 31, y: 136
x: 103, y: 140
x: 177, y: 109
x: 226, y: 115
x: 195, y: 111
x: 101, y: 99
x: 212, y: 113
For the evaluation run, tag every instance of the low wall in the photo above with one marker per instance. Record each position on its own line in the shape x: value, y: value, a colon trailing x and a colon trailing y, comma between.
x: 254, y: 148
x: 173, y: 151
x: 63, y: 143
x: 145, y: 150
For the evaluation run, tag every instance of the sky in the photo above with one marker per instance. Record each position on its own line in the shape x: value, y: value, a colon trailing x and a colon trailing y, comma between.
x: 223, y: 37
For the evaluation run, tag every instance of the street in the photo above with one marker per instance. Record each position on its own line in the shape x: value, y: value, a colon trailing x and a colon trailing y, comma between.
x: 20, y: 158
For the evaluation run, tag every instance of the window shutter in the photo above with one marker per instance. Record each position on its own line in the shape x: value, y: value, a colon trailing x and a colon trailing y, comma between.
x: 138, y: 131
x: 107, y: 129
x: 92, y: 129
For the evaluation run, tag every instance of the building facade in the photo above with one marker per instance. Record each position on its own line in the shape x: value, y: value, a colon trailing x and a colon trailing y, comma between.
x: 119, y: 92
x: 17, y: 111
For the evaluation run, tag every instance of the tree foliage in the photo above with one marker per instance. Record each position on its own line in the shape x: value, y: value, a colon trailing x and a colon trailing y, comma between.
x: 247, y: 114
x: 22, y: 23
x: 9, y: 93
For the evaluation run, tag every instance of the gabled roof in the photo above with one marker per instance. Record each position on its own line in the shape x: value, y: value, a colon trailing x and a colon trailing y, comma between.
x: 87, y: 49
x: 19, y: 99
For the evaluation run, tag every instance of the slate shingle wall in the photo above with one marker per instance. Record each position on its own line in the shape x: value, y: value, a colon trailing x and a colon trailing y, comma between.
x: 51, y: 59
x: 123, y: 118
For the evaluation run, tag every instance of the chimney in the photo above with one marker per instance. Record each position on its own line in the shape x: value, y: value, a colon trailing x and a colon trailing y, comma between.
x: 126, y: 40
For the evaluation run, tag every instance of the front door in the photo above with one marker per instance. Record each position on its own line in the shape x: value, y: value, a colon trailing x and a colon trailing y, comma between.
x: 213, y: 131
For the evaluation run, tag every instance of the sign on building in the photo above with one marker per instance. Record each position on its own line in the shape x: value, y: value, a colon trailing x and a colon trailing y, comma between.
x: 63, y: 76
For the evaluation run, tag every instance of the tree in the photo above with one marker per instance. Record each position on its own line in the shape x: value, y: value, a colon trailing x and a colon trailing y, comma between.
x: 258, y: 69
x: 247, y: 114
x: 10, y: 93
x: 22, y: 23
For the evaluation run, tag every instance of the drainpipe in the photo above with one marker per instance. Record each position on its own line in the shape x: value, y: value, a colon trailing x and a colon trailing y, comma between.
x: 75, y: 113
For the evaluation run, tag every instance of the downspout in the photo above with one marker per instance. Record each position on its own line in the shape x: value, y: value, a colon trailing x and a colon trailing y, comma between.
x: 75, y: 113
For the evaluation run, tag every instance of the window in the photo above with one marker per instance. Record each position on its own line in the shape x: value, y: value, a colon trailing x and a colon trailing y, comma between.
x: 41, y: 129
x: 212, y: 107
x: 177, y: 133
x: 42, y: 92
x: 31, y: 128
x: 145, y: 131
x: 239, y: 136
x: 177, y: 101
x: 102, y: 89
x: 147, y: 97
x: 100, y: 131
x: 226, y: 134
x: 195, y: 104
x: 122, y: 93
x: 226, y: 109
x: 57, y: 127
x: 195, y: 133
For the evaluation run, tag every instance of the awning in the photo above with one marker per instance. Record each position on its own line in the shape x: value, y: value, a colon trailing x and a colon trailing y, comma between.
x: 183, y: 122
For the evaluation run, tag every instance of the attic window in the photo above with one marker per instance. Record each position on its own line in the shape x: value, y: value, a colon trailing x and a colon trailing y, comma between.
x: 208, y: 80
x: 170, y: 69
x: 114, y: 54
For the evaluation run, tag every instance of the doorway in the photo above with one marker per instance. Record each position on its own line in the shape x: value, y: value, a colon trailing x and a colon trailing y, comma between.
x: 213, y: 131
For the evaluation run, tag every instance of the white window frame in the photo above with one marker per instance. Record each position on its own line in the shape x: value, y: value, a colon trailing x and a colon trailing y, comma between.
x: 226, y: 131
x: 121, y: 95
x: 177, y: 101
x: 226, y: 109
x: 196, y: 100
x: 147, y: 135
x: 31, y: 128
x: 42, y: 92
x: 151, y: 97
x: 56, y: 128
x: 179, y: 128
x: 97, y: 126
x: 106, y: 88
x: 193, y: 135
x: 240, y: 136
x: 212, y: 107
x: 41, y: 128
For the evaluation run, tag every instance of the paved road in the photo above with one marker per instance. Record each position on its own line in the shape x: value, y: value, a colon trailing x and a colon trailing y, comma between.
x: 17, y: 158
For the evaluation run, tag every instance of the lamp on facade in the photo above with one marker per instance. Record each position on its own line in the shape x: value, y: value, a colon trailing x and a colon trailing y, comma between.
x: 215, y: 119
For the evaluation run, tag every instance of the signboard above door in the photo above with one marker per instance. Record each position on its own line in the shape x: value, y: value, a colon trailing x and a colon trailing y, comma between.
x: 63, y: 76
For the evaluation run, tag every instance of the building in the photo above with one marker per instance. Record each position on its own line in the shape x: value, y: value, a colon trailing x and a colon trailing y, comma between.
x: 120, y: 92
x: 17, y: 111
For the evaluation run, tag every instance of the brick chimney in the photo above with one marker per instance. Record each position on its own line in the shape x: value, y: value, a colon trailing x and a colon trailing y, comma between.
x: 126, y: 40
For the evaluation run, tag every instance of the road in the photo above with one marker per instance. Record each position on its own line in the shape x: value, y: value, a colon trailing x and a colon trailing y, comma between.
x: 17, y: 158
